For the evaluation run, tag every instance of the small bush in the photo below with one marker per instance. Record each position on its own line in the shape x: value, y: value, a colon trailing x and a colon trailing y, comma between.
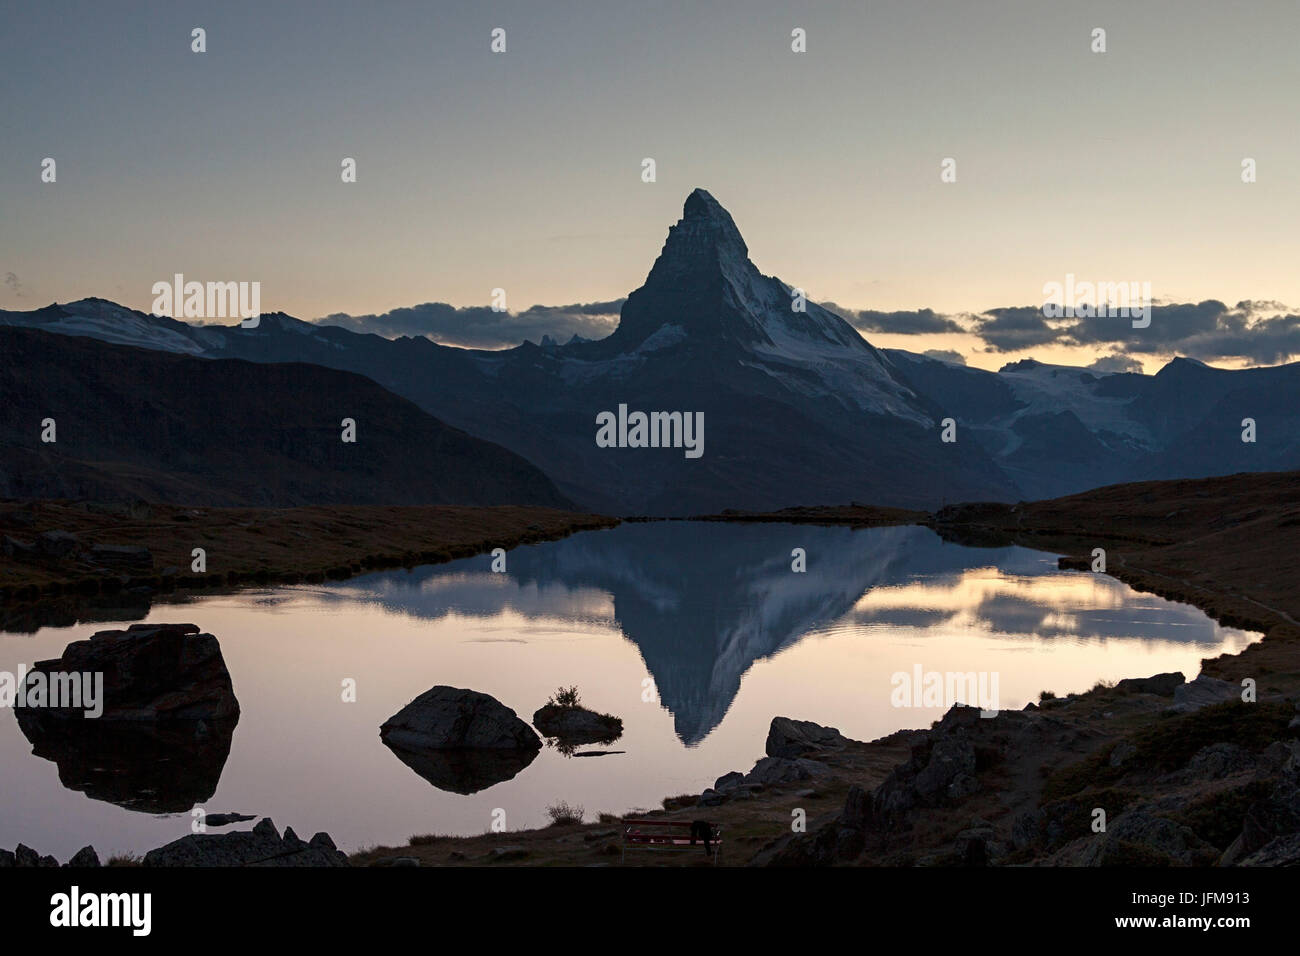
x: 1047, y: 695
x: 565, y: 697
x: 562, y: 814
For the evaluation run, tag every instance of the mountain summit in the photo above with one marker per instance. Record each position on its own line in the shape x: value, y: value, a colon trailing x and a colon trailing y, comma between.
x: 704, y: 240
x: 704, y: 291
x: 798, y: 408
x: 704, y: 265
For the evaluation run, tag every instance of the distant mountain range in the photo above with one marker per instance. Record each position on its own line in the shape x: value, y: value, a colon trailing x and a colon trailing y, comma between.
x: 798, y: 407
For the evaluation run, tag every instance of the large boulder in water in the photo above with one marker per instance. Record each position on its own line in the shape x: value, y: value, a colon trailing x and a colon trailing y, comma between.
x: 452, y: 718
x: 168, y: 715
x: 150, y: 672
x: 460, y: 740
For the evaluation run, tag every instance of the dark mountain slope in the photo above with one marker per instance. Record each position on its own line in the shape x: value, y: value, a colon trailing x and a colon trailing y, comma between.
x: 167, y: 427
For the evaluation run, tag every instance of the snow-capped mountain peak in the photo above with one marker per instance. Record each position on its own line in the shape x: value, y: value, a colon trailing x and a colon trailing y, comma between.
x: 109, y: 322
x: 704, y: 292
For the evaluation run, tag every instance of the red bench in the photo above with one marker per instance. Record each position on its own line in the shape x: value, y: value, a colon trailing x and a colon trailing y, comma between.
x: 646, y: 833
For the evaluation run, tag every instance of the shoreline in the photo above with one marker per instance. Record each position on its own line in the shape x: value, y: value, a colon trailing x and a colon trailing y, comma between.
x: 1211, y: 543
x: 270, y: 546
x: 1148, y: 550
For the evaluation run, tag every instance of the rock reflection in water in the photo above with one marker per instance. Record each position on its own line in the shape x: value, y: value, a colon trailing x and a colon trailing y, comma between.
x: 160, y: 767
x: 464, y: 771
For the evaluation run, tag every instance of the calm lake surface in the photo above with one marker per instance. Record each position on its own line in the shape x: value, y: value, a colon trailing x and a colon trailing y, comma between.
x: 696, y: 634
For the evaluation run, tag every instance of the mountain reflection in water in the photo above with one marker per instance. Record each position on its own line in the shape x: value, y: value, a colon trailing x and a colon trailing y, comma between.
x: 702, y: 601
x: 694, y: 634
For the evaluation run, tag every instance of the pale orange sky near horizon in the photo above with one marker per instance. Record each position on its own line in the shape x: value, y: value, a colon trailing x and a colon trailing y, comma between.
x: 521, y: 170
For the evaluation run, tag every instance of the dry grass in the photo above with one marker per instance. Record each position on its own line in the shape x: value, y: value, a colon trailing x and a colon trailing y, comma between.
x: 262, y: 545
x: 563, y: 814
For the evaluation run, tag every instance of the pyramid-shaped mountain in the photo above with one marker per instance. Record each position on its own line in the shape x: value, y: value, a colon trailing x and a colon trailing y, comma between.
x: 797, y: 407
x: 704, y: 292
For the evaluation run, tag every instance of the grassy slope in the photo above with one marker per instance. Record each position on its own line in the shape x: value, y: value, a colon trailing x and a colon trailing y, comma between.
x: 269, y: 544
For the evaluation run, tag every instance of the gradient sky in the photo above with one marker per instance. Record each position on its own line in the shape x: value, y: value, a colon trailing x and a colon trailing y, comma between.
x: 522, y: 170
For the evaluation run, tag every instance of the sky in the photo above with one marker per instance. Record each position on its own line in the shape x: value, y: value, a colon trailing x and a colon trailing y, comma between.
x: 522, y: 170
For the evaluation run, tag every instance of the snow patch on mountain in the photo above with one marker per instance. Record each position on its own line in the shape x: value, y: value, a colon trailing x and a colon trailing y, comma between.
x: 110, y: 322
x: 1046, y: 389
x: 667, y: 336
